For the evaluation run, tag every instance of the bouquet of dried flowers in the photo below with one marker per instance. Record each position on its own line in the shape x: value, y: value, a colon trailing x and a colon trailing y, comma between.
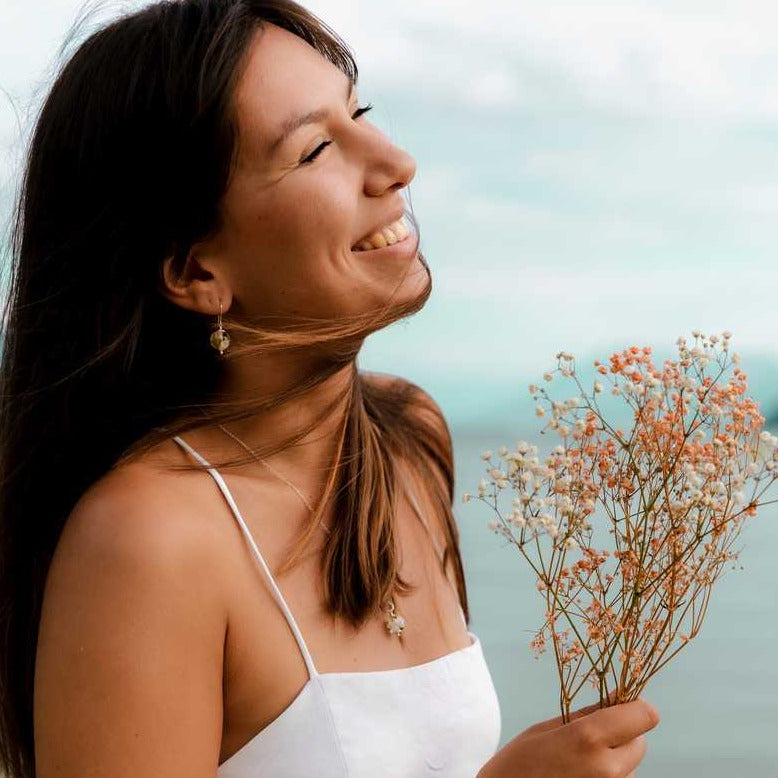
x: 674, y: 491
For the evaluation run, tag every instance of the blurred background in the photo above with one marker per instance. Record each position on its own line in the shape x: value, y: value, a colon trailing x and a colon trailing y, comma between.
x: 590, y: 175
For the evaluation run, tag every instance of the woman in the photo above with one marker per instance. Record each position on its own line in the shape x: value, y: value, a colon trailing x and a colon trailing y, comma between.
x: 249, y: 555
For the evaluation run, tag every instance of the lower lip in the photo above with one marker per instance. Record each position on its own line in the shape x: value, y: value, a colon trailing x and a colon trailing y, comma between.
x: 400, y: 249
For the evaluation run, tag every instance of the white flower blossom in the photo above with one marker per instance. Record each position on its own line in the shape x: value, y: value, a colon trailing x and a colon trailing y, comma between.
x: 768, y: 439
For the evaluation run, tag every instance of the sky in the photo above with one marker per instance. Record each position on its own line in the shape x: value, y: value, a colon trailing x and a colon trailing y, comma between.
x: 589, y: 175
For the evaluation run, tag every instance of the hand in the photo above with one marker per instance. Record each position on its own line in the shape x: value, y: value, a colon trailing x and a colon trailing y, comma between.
x: 597, y: 743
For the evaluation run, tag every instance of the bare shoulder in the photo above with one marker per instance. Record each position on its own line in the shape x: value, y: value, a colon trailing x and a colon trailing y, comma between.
x: 423, y: 406
x: 435, y: 439
x: 143, y: 509
x: 130, y: 650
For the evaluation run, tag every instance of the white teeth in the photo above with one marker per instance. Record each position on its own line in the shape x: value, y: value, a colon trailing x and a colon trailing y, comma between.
x: 378, y: 240
x: 387, y: 236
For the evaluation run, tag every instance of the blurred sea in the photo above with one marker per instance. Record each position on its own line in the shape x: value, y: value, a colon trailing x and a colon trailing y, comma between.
x: 718, y: 699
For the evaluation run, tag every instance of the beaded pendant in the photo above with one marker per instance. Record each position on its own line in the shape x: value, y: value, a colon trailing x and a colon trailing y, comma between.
x: 395, y: 624
x: 220, y: 340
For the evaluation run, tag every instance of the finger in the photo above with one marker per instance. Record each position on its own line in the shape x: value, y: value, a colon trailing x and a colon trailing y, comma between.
x: 622, y: 723
x: 630, y: 755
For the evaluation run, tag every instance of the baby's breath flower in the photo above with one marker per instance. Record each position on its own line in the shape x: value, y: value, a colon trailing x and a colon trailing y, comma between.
x: 486, y: 456
x: 548, y: 376
x: 768, y: 439
x: 696, y: 450
x: 466, y: 497
x: 539, y: 412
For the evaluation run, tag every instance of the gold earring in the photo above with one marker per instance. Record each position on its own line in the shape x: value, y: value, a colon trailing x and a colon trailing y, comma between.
x: 220, y: 339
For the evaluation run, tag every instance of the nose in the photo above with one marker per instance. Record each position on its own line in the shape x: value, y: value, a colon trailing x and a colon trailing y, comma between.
x: 388, y: 167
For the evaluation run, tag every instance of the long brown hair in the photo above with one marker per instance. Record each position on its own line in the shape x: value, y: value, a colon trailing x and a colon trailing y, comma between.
x: 129, y: 159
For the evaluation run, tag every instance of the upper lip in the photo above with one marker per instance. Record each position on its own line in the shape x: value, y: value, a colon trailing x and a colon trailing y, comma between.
x: 391, y: 219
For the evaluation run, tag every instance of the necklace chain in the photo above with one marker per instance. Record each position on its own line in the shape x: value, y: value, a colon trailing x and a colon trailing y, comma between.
x: 395, y: 623
x: 305, y: 501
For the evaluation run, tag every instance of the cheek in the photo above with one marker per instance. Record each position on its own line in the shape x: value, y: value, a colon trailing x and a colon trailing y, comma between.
x: 311, y: 217
x: 321, y: 214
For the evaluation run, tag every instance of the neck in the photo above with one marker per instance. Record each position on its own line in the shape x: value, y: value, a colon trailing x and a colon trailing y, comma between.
x: 247, y: 379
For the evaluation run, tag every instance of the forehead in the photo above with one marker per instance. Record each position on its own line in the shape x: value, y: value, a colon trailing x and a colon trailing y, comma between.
x: 283, y: 76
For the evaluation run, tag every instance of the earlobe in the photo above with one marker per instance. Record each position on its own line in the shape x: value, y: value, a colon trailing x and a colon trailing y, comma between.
x: 193, y: 287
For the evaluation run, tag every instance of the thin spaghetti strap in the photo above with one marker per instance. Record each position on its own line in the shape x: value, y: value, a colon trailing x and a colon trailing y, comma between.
x: 411, y: 495
x: 279, y: 598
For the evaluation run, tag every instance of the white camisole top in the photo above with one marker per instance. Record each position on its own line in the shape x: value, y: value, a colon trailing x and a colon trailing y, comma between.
x: 440, y: 718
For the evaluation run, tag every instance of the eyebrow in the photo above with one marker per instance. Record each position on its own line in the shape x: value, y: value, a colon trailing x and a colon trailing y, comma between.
x: 294, y: 123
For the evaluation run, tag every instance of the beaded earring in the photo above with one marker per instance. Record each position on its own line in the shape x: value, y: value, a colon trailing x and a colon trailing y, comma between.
x: 220, y: 339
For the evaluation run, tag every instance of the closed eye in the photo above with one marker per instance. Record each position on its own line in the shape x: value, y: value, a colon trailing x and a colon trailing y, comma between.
x: 361, y: 111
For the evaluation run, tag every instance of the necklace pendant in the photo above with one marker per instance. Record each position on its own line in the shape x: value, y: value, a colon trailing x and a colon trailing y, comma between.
x: 395, y: 624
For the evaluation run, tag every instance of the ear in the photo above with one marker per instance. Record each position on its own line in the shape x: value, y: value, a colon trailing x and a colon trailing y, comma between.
x: 197, y: 286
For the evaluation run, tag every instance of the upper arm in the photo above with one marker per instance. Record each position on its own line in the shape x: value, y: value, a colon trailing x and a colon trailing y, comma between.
x: 128, y: 678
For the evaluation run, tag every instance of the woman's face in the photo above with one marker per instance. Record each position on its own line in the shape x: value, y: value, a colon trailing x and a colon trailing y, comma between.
x: 295, y: 209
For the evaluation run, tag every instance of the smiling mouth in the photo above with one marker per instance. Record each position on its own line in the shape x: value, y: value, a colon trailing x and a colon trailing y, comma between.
x: 396, y: 232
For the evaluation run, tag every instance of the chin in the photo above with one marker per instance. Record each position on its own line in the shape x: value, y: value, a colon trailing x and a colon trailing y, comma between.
x: 414, y: 288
